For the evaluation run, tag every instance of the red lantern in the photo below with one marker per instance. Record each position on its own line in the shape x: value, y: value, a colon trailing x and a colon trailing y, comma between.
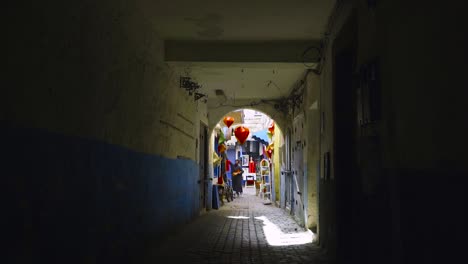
x: 271, y: 128
x: 221, y: 148
x: 241, y: 133
x: 228, y: 121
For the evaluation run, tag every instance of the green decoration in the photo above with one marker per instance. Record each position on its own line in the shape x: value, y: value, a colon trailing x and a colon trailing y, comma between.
x: 221, y: 137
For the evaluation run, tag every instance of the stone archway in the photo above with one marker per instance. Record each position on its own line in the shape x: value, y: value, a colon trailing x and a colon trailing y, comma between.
x: 216, y: 113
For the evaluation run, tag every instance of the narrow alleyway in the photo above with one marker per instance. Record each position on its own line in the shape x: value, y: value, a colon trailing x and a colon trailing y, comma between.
x: 242, y: 231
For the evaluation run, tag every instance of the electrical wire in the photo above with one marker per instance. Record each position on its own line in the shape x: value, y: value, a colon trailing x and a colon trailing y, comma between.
x: 272, y: 82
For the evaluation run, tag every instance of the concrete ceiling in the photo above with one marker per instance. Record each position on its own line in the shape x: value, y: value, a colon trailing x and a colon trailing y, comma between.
x: 248, y: 49
x: 243, y: 80
x: 239, y: 20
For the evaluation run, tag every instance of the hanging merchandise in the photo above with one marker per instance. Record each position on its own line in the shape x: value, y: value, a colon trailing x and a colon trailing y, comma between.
x: 228, y: 121
x: 270, y: 135
x: 216, y: 139
x: 271, y: 128
x: 269, y: 150
x: 216, y: 159
x: 252, y: 166
x: 221, y: 137
x: 221, y: 148
x: 241, y: 133
x: 271, y: 146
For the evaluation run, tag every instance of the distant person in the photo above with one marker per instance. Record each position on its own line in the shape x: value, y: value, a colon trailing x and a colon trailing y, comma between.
x: 237, y: 177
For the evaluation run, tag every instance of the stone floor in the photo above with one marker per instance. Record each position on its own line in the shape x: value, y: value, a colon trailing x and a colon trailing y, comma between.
x: 242, y: 231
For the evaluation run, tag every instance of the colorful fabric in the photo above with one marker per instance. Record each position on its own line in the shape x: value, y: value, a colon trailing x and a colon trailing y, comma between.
x: 221, y: 137
x: 228, y: 165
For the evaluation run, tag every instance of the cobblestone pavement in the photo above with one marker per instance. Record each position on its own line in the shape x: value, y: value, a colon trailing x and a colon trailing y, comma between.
x: 242, y: 231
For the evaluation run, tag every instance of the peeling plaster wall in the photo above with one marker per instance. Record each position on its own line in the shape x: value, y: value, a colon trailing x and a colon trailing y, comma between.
x: 299, y: 167
x: 112, y: 83
x: 98, y: 141
x: 305, y: 154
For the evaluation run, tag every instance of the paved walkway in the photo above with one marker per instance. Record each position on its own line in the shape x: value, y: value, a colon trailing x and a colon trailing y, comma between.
x: 242, y: 231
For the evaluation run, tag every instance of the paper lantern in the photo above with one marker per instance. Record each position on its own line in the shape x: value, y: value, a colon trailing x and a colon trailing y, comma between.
x: 241, y: 133
x: 228, y: 121
x: 221, y: 148
x: 271, y: 128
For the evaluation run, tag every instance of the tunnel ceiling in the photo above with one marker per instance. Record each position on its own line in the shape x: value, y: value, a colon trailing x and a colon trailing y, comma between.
x: 243, y: 80
x: 239, y: 20
x: 249, y: 49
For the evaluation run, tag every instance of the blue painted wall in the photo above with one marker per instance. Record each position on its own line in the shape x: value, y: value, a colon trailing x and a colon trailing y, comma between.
x: 74, y: 199
x: 231, y: 155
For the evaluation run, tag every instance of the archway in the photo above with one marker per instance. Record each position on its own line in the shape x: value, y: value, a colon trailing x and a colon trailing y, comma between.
x: 253, y: 150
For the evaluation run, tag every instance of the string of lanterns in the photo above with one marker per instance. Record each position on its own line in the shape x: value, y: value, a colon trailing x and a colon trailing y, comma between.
x: 242, y: 133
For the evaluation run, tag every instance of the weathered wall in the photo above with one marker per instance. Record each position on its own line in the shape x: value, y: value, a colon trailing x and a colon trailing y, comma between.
x: 424, y: 125
x: 312, y: 156
x: 410, y: 172
x: 98, y: 142
x: 305, y: 153
x: 298, y: 167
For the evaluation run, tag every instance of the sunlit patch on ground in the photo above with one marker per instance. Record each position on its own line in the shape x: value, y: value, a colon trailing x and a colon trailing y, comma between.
x: 237, y: 217
x: 275, y: 237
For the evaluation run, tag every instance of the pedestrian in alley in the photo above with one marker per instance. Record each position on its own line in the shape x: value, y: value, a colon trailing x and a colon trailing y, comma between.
x: 237, y: 177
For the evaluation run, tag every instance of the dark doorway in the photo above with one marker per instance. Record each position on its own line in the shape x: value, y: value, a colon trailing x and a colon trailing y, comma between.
x: 346, y: 176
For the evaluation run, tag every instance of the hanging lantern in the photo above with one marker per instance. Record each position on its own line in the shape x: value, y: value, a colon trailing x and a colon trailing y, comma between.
x: 241, y: 133
x: 228, y: 121
x: 221, y: 148
x: 271, y: 128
